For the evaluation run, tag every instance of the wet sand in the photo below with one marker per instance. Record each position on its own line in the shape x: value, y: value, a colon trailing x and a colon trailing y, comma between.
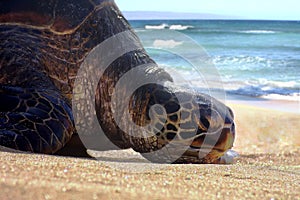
x: 268, y: 167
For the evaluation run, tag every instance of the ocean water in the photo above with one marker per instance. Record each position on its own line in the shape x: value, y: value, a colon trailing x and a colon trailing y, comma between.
x: 252, y: 58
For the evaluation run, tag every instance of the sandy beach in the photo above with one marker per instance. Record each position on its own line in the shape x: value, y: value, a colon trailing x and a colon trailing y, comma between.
x: 61, y: 60
x: 268, y: 167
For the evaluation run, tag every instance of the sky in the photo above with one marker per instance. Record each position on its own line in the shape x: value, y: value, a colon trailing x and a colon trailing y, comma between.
x: 243, y: 9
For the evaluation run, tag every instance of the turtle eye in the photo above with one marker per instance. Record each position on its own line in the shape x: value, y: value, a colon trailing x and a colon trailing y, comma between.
x: 205, y: 122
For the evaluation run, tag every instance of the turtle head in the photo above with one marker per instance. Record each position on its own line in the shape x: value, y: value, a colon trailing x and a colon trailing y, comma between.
x: 195, y: 128
x: 216, y: 130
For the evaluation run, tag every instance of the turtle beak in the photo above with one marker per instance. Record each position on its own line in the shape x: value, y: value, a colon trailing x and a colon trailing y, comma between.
x: 218, y: 138
x: 227, y: 136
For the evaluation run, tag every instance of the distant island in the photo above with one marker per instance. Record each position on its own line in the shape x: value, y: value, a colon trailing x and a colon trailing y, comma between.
x: 147, y: 15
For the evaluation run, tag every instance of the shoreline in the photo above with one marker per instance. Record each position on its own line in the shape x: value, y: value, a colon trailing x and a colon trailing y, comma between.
x: 282, y: 105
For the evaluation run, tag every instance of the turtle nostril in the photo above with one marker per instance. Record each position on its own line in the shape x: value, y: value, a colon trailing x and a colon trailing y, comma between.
x: 230, y: 112
x: 232, y: 129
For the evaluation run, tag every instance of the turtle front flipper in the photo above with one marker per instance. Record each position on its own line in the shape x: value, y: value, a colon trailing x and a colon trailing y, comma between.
x: 33, y: 120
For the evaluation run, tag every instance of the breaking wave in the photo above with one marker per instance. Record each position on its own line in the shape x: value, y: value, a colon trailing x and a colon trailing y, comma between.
x: 166, y: 26
x: 258, y: 32
x: 180, y: 27
x: 156, y: 27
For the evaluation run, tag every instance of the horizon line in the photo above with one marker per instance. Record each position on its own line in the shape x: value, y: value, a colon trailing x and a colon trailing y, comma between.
x: 171, y: 15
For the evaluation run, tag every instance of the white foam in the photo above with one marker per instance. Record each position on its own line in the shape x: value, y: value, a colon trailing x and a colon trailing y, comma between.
x: 288, y: 84
x: 242, y: 61
x: 166, y: 43
x: 156, y: 27
x: 180, y: 27
x: 295, y: 97
x: 258, y: 32
x: 165, y: 26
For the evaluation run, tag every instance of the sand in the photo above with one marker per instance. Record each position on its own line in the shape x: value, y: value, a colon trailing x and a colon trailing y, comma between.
x: 268, y: 167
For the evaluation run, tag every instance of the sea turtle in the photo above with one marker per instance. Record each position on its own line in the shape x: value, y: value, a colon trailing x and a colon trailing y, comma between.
x: 42, y: 45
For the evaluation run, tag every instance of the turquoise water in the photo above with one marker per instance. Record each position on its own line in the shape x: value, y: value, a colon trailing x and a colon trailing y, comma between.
x: 253, y: 58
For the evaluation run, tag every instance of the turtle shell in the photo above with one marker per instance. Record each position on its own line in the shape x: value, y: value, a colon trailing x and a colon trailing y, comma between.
x: 59, y: 15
